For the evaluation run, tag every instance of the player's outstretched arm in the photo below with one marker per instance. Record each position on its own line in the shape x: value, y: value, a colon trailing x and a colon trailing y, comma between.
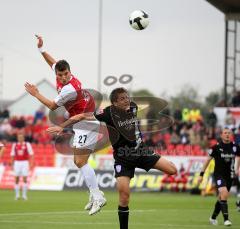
x: 205, y: 165
x: 32, y: 90
x: 69, y: 122
x: 48, y: 58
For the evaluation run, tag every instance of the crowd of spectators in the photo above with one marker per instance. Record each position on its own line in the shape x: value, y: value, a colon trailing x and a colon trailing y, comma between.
x: 33, y: 127
x: 200, y: 131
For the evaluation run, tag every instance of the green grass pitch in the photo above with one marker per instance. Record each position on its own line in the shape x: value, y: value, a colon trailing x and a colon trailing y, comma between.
x: 63, y: 210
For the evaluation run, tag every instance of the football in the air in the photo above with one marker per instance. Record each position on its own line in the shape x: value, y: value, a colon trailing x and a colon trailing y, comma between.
x: 139, y: 20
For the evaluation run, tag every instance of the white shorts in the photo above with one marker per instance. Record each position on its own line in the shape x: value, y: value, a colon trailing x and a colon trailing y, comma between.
x: 86, y: 134
x: 21, y: 168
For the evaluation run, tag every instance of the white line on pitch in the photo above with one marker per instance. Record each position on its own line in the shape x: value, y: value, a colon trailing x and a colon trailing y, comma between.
x: 69, y: 212
x: 101, y: 223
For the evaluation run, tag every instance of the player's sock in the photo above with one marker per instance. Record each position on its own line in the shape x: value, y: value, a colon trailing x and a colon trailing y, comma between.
x: 17, y: 190
x: 217, y: 210
x: 91, y: 180
x: 24, y: 190
x: 123, y: 213
x: 224, y: 209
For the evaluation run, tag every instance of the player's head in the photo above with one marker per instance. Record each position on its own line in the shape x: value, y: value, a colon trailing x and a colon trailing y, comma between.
x: 63, y: 72
x: 119, y: 98
x: 226, y: 135
x: 20, y: 137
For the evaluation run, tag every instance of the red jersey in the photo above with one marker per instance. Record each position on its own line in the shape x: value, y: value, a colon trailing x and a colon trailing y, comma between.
x: 75, y: 99
x: 21, y: 151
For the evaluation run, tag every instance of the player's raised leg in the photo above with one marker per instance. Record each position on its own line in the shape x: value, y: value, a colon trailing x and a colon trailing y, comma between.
x: 165, y: 166
x: 96, y: 199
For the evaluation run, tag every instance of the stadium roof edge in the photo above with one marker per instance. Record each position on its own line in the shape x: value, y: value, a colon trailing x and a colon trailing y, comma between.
x: 231, y: 7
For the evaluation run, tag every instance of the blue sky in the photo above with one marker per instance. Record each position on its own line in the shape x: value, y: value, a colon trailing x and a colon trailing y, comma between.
x: 184, y: 43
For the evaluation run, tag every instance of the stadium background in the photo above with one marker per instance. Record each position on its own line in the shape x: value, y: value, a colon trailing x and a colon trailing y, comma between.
x: 197, y: 126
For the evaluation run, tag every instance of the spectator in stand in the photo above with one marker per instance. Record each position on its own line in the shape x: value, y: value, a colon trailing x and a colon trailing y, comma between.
x: 40, y: 114
x: 175, y: 139
x: 4, y: 114
x: 20, y: 122
x: 184, y: 136
x: 5, y: 130
x: 204, y: 142
x: 236, y: 99
x: 229, y: 120
x: 177, y: 115
x: 211, y: 118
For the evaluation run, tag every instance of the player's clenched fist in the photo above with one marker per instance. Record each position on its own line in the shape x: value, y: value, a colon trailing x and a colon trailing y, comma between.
x: 40, y: 41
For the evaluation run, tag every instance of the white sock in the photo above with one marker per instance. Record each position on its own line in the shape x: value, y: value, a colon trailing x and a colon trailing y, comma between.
x: 24, y: 190
x: 17, y: 190
x: 91, y: 180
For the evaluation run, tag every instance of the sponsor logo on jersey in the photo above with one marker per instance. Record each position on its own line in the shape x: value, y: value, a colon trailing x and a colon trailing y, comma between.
x: 219, y: 182
x: 226, y: 155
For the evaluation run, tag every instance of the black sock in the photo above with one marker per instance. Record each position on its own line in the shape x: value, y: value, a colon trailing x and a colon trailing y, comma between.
x: 123, y: 213
x: 217, y: 210
x: 224, y: 209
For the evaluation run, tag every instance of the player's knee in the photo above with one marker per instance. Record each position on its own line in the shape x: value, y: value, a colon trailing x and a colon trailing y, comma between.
x: 79, y: 162
x: 172, y: 169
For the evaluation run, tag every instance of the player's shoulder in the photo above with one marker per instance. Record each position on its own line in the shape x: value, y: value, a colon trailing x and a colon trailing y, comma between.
x: 215, y: 146
x: 133, y: 105
x: 235, y: 147
x: 68, y: 88
x: 103, y: 111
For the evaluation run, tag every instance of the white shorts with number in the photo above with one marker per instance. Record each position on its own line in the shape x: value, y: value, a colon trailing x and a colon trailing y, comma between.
x: 86, y: 134
x: 21, y: 168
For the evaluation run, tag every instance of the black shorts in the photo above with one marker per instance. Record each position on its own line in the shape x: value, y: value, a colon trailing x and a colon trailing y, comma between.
x: 223, y: 182
x: 126, y: 166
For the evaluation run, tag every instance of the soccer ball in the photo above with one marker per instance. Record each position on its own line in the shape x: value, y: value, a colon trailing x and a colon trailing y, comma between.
x: 139, y: 20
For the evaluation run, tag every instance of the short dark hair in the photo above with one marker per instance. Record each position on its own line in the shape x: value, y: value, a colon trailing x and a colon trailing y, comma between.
x: 62, y: 65
x: 114, y: 94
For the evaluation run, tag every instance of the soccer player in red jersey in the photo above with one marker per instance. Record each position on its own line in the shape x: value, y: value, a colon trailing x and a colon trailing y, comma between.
x: 76, y: 100
x: 22, y: 159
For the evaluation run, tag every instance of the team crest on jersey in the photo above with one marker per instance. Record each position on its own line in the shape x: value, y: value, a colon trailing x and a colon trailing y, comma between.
x: 118, y: 168
x: 234, y: 149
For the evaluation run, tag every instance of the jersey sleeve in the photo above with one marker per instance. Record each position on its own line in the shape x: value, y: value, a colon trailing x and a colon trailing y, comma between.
x: 238, y: 151
x: 68, y: 93
x: 12, y: 153
x: 53, y: 67
x: 212, y: 151
x: 101, y: 115
x: 29, y: 148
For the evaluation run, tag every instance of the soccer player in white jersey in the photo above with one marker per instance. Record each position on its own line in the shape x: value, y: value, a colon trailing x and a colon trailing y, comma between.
x: 76, y: 100
x: 22, y: 159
